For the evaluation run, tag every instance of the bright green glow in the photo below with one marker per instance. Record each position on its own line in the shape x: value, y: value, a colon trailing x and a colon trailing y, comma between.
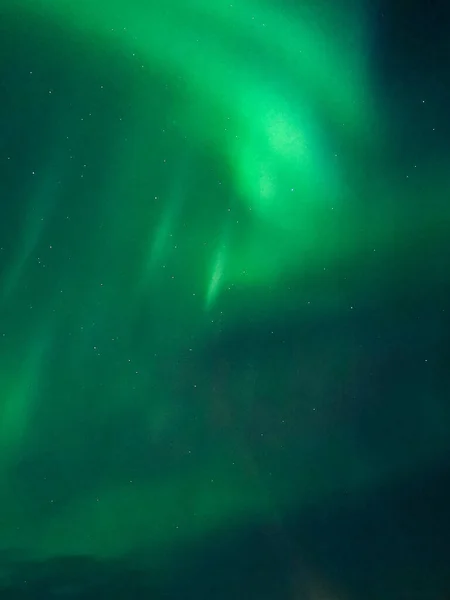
x: 266, y: 118
x: 189, y: 237
x: 20, y: 391
x: 217, y: 274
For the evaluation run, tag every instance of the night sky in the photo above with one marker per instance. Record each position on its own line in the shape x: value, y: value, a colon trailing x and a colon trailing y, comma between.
x: 224, y: 299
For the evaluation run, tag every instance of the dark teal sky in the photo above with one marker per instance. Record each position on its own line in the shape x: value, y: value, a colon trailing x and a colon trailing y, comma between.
x: 223, y: 279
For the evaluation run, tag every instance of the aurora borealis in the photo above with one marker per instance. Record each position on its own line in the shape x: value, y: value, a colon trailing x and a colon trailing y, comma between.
x: 223, y: 271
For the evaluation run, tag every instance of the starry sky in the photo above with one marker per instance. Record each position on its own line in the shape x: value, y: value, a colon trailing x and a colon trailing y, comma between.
x: 223, y: 283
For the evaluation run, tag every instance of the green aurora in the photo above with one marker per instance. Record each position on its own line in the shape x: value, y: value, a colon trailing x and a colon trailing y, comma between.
x: 184, y: 180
